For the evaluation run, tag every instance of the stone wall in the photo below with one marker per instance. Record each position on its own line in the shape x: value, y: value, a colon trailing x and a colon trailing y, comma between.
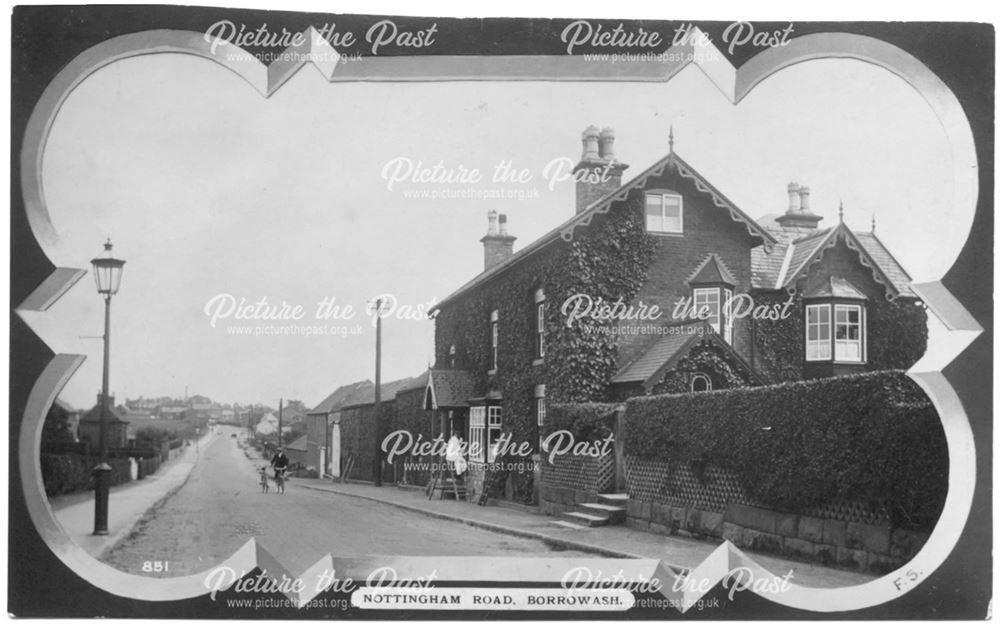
x: 860, y: 546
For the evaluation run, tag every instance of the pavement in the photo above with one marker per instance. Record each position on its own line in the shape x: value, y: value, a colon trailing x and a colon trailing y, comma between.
x: 611, y: 541
x: 221, y: 506
x: 197, y: 512
x: 127, y: 503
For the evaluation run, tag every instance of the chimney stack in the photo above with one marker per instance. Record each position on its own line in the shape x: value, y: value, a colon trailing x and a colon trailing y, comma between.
x: 498, y: 246
x: 598, y: 172
x: 798, y: 214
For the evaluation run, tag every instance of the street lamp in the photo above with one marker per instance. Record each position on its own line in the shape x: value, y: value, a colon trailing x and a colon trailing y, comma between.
x: 108, y: 276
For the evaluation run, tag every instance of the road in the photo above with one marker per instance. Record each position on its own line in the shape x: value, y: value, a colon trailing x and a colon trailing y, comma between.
x: 221, y: 506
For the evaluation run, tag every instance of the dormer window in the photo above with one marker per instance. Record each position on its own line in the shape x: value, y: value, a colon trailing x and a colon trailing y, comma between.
x: 836, y: 322
x: 664, y: 212
x: 712, y: 295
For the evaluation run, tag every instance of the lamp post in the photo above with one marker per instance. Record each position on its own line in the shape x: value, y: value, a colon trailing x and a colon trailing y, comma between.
x: 108, y: 276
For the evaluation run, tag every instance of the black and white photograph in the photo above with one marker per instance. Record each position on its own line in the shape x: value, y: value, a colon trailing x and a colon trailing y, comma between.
x: 426, y: 317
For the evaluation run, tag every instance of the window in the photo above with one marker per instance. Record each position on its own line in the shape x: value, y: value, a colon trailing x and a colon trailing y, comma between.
x: 485, y: 429
x: 817, y: 332
x: 494, y: 429
x: 847, y: 333
x: 539, y: 324
x: 701, y: 383
x: 706, y: 303
x: 494, y: 338
x: 841, y: 339
x: 477, y: 433
x: 451, y: 356
x: 664, y: 213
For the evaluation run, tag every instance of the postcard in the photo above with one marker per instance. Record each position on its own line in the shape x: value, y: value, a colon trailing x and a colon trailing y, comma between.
x: 331, y: 316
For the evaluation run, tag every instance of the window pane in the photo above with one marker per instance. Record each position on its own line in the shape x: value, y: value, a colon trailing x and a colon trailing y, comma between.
x: 708, y: 298
x: 671, y: 213
x: 654, y: 213
x: 817, y: 332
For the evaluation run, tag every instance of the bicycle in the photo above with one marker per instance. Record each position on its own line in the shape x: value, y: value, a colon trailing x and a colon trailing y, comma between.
x: 279, y: 480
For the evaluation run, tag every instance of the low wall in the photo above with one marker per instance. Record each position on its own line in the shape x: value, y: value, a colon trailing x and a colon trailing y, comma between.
x: 850, y: 544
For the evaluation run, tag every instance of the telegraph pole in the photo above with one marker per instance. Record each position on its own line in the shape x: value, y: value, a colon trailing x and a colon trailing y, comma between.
x: 281, y: 402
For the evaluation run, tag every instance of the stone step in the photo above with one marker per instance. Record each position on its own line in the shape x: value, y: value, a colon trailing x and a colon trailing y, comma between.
x: 568, y: 524
x: 586, y: 519
x: 615, y: 514
x: 614, y: 499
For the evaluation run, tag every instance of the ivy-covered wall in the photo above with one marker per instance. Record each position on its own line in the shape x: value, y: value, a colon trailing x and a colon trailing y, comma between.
x: 896, y: 334
x: 609, y: 259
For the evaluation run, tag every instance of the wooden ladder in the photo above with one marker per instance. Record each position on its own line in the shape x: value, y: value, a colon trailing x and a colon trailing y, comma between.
x: 347, y: 468
x: 446, y: 485
x: 494, y: 478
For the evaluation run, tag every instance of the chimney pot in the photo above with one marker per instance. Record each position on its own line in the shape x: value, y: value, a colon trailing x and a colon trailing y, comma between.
x: 804, y: 199
x: 793, y: 197
x: 503, y: 225
x: 591, y: 152
x: 492, y: 218
x: 607, y: 144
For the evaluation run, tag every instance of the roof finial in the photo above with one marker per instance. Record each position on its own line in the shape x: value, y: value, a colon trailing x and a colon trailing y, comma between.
x: 671, y: 139
x: 873, y: 223
x: 841, y: 211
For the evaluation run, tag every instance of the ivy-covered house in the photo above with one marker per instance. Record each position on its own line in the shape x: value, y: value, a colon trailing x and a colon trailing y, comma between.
x: 663, y: 284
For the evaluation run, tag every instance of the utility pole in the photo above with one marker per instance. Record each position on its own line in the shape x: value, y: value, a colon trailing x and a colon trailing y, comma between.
x: 281, y: 403
x: 377, y: 466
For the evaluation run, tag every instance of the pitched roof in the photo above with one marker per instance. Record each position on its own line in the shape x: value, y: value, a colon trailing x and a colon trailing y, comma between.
x: 886, y: 262
x: 785, y: 264
x: 449, y: 388
x: 664, y: 353
x: 834, y: 287
x: 711, y: 271
x: 342, y: 396
x: 387, y: 392
x: 112, y: 415
x: 566, y: 230
x: 299, y: 444
x: 804, y: 249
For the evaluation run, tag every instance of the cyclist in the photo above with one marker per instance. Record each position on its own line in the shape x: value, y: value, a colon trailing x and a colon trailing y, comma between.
x: 280, y: 464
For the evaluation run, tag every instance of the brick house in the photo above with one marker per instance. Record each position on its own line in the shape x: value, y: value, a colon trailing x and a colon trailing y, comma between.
x: 89, y: 427
x: 839, y: 300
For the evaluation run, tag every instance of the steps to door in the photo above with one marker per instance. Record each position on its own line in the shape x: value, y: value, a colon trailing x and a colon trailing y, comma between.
x: 609, y: 510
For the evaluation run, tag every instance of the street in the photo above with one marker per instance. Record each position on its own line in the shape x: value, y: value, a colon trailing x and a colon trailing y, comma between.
x: 221, y: 506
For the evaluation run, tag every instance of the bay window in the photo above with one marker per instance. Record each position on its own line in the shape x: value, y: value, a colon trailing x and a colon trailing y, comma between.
x: 836, y: 332
x: 713, y: 305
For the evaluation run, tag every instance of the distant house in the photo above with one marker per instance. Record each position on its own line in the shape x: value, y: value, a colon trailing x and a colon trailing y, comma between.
x: 89, y: 429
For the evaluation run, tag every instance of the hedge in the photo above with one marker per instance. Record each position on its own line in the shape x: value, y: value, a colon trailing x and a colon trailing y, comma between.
x: 872, y: 437
x: 586, y: 421
x: 69, y: 473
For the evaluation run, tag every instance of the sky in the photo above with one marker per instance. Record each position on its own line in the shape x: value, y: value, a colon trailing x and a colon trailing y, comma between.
x: 207, y: 189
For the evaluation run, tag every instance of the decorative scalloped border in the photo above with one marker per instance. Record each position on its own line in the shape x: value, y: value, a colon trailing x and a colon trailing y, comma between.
x: 733, y: 84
